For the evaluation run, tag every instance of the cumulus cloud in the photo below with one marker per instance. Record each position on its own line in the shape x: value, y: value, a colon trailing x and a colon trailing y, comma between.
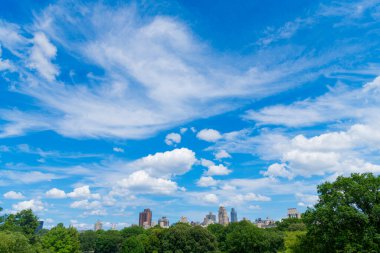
x: 55, y: 193
x: 34, y: 204
x: 86, y: 204
x: 278, y: 170
x: 222, y: 154
x: 218, y: 170
x: 172, y: 139
x: 210, y: 135
x: 306, y: 199
x: 141, y: 182
x: 13, y: 195
x: 207, y: 181
x: 210, y: 198
x: 166, y: 164
x: 83, y: 192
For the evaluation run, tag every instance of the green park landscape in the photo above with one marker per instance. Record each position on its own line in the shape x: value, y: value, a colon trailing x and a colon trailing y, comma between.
x: 345, y: 219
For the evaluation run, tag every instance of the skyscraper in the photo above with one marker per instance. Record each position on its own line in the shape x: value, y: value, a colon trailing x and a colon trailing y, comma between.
x: 163, y: 222
x: 145, y: 218
x: 234, y: 215
x: 98, y: 225
x: 211, y: 216
x: 293, y: 213
x: 223, y: 216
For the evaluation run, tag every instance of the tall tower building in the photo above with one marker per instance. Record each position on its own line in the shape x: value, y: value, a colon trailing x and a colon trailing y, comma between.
x: 145, y: 218
x: 293, y: 213
x: 223, y: 216
x: 163, y: 222
x: 211, y: 216
x: 234, y: 215
x: 98, y: 225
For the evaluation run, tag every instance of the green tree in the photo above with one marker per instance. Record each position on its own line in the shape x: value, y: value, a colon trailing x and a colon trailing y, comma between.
x: 292, y: 241
x: 24, y: 221
x: 245, y: 237
x: 347, y: 216
x: 132, y: 231
x: 132, y: 244
x: 184, y: 238
x: 87, y: 241
x: 220, y: 233
x: 108, y: 241
x: 14, y: 242
x: 291, y: 224
x: 61, y: 240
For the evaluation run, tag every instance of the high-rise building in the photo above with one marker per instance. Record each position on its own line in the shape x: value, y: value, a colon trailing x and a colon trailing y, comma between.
x: 184, y: 219
x: 40, y: 226
x: 223, y: 216
x: 145, y: 218
x: 211, y: 216
x: 163, y: 222
x: 234, y: 215
x: 98, y: 225
x: 293, y: 213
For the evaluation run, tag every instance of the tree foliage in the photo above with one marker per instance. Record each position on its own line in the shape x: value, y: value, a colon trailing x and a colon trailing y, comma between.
x: 14, y: 242
x: 61, y: 240
x: 347, y: 216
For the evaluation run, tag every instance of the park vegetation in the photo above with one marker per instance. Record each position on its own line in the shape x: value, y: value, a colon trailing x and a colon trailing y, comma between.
x: 345, y: 219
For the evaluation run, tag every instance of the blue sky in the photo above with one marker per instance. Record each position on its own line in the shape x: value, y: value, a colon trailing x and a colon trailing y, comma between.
x: 110, y: 107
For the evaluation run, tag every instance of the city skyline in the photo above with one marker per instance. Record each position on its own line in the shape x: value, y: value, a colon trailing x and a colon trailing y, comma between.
x: 111, y: 107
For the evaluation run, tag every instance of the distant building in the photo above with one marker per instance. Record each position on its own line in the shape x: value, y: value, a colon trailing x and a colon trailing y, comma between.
x: 163, y: 222
x: 40, y: 226
x: 207, y: 222
x: 98, y: 225
x: 195, y: 223
x: 211, y: 216
x: 223, y: 216
x: 184, y: 219
x: 267, y: 223
x: 234, y: 215
x: 145, y: 218
x: 293, y: 213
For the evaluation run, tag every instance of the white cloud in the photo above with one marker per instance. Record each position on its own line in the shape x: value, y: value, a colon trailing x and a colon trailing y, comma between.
x: 209, y: 135
x: 143, y: 60
x: 218, y: 170
x: 41, y: 55
x: 172, y: 139
x: 166, y: 164
x: 27, y: 177
x: 222, y: 154
x: 306, y: 199
x: 118, y: 150
x: 142, y: 183
x: 13, y: 195
x: 86, y: 204
x: 278, y: 170
x: 55, y: 193
x: 340, y: 103
x: 34, y: 204
x: 183, y: 130
x: 210, y: 198
x: 83, y: 192
x: 207, y: 181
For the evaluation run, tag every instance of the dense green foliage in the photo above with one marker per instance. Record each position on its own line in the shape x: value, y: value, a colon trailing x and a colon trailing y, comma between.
x: 346, y: 219
x: 61, y: 240
x: 347, y: 216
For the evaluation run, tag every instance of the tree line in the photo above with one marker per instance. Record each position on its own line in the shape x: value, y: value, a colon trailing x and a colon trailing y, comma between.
x: 345, y: 219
